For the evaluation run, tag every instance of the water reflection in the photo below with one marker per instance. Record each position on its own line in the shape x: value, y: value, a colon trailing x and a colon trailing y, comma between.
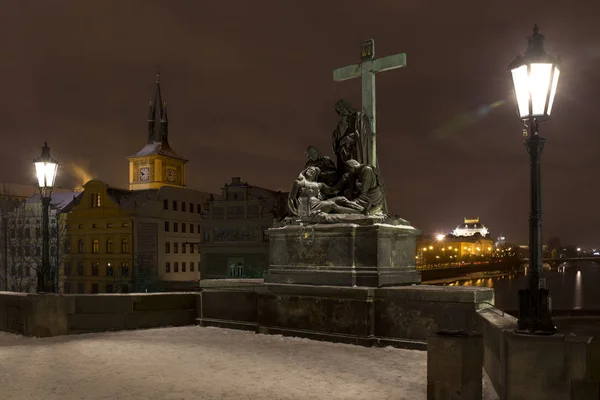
x: 566, y: 282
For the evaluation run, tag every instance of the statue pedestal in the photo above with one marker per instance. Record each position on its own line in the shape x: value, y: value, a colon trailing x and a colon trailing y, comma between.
x: 343, y: 255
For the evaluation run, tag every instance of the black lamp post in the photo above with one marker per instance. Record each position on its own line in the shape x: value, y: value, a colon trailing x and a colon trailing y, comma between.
x: 535, y: 77
x: 45, y: 169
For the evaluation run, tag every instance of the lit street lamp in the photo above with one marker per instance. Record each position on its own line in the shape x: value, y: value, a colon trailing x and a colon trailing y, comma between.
x: 535, y: 77
x: 45, y: 170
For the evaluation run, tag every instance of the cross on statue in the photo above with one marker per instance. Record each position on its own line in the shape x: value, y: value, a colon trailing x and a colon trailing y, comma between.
x: 367, y: 69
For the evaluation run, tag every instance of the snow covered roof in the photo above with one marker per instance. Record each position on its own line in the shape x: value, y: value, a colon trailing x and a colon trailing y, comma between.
x: 157, y: 148
x: 58, y: 200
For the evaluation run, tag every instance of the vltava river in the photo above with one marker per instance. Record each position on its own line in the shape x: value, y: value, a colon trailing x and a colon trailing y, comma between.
x: 572, y: 286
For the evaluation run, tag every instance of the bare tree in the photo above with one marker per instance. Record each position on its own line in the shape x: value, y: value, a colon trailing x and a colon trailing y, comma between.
x: 8, y: 203
x: 24, y: 239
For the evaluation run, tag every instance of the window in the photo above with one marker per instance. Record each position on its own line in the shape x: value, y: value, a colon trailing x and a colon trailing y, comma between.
x: 175, y: 227
x: 80, y: 269
x: 192, y: 266
x: 174, y: 205
x: 166, y: 226
x: 124, y: 246
x: 124, y: 289
x: 191, y: 207
x: 94, y: 225
x: 191, y: 228
x: 80, y: 226
x: 183, y: 206
x: 198, y: 226
x: 198, y: 208
x: 81, y: 246
x: 27, y: 233
x: 81, y: 287
x: 165, y: 204
x: 38, y: 232
x: 26, y: 271
x: 67, y: 287
x: 94, y: 288
x: 167, y: 247
x: 67, y: 269
x: 68, y: 246
x: 109, y: 246
x: 176, y: 267
x: 183, y: 247
x: 124, y: 224
x: 109, y: 269
x: 109, y: 225
x: 175, y: 247
x: 183, y: 266
x: 109, y: 288
x: 94, y: 269
x: 124, y: 269
x: 95, y: 246
x: 183, y: 227
x: 191, y: 248
x: 168, y: 267
x: 95, y: 200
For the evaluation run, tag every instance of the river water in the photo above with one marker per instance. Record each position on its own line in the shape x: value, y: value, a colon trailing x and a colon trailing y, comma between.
x: 572, y: 286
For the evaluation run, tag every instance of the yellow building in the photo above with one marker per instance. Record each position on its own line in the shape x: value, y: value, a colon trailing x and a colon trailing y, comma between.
x: 142, y: 238
x: 469, y: 242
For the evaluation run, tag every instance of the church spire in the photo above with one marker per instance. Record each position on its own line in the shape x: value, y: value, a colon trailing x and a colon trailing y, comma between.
x: 151, y: 122
x: 164, y: 125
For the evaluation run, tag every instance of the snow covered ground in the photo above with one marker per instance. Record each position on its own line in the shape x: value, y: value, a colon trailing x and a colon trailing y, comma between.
x: 205, y: 363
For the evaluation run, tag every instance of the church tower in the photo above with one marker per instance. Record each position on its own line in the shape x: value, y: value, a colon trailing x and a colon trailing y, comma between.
x: 156, y: 164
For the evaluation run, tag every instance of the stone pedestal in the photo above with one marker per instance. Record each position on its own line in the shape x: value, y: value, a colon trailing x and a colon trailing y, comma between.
x: 454, y: 366
x: 343, y: 255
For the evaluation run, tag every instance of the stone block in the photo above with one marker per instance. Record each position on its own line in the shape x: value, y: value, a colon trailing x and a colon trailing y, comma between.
x: 343, y: 255
x: 585, y: 390
x: 164, y: 301
x: 157, y: 319
x: 454, y: 366
x: 229, y: 305
x: 537, y: 367
x: 84, y: 323
x: 44, y: 315
x: 317, y: 309
x: 103, y: 303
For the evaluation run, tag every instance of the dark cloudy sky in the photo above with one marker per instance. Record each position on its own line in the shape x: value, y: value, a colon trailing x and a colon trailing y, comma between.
x: 249, y: 86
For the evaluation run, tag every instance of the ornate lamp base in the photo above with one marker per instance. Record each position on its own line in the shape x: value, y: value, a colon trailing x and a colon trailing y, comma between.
x: 535, y: 312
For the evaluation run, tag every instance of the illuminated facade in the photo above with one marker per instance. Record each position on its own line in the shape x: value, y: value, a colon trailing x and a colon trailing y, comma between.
x: 469, y: 242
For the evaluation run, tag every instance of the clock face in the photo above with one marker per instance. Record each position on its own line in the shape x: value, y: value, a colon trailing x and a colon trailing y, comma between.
x: 171, y: 174
x: 145, y: 174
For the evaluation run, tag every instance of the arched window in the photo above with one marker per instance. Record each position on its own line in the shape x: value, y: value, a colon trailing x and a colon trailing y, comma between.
x: 124, y: 246
x: 81, y: 246
x: 95, y: 246
x: 109, y: 246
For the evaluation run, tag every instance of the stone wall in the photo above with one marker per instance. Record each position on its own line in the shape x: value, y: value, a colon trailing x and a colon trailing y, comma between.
x: 534, y: 367
x: 55, y: 314
x: 399, y: 316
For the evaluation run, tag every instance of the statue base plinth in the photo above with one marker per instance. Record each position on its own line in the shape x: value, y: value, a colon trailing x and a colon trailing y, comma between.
x: 343, y: 254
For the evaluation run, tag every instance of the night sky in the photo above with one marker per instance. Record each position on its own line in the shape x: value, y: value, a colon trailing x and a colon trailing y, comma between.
x: 249, y: 86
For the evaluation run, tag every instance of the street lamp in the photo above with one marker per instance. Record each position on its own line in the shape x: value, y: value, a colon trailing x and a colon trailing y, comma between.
x: 45, y: 170
x: 535, y: 77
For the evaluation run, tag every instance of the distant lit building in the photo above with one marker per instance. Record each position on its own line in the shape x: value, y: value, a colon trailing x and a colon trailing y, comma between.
x: 470, y: 241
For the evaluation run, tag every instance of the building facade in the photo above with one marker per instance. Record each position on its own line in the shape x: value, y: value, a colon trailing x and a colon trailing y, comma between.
x: 144, y: 238
x: 234, y: 242
x: 470, y: 242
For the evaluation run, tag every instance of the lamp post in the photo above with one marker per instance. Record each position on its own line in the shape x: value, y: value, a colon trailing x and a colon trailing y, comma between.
x: 535, y: 78
x: 45, y: 169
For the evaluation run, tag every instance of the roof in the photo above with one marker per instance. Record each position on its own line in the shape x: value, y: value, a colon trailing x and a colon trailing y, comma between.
x: 60, y: 200
x: 157, y: 148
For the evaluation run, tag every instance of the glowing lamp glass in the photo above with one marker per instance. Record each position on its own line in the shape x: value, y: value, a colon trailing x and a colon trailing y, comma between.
x: 535, y: 88
x: 46, y: 173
